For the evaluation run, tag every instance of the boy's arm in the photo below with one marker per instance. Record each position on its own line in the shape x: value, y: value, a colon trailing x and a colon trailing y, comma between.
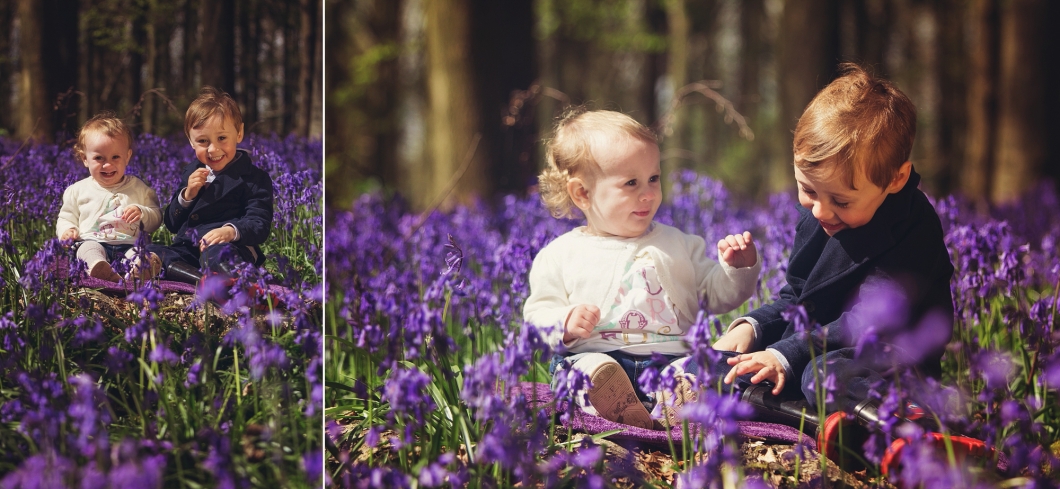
x: 175, y: 215
x: 256, y: 224
x: 68, y: 214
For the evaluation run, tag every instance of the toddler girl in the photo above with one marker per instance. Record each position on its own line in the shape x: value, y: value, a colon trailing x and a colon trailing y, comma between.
x: 623, y: 286
x: 104, y: 210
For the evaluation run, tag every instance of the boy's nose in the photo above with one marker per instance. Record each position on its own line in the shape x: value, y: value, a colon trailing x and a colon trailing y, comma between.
x: 821, y: 212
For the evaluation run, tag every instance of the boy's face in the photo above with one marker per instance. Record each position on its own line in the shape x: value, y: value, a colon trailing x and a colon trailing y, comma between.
x: 215, y: 142
x: 106, y: 158
x: 622, y: 196
x: 837, y: 206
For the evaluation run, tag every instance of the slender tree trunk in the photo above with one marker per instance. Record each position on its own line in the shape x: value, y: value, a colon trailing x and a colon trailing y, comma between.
x: 808, y: 54
x: 291, y: 53
x: 250, y: 29
x: 952, y: 90
x: 306, y: 44
x: 34, y: 115
x: 151, y: 63
x: 502, y: 55
x: 190, y: 43
x: 1021, y: 90
x: 453, y: 113
x: 218, y: 44
x: 676, y: 141
x: 982, y: 99
x: 7, y: 109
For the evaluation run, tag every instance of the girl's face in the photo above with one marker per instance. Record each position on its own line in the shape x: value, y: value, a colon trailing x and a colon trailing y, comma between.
x: 623, y: 194
x: 215, y: 142
x: 106, y: 158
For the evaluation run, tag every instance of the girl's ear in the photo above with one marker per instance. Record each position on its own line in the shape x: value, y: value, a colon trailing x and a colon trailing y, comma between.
x: 900, y: 178
x: 578, y: 192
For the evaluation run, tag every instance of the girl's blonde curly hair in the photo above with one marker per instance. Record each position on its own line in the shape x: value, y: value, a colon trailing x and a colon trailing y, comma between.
x: 569, y: 152
x: 105, y: 122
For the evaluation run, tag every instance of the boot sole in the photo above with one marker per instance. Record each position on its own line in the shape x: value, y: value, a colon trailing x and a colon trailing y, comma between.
x: 613, y: 397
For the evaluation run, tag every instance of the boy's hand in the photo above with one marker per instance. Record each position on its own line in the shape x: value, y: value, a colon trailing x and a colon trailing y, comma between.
x: 132, y: 214
x: 580, y: 322
x: 738, y: 250
x: 223, y: 234
x: 196, y: 182
x: 739, y: 338
x: 764, y: 363
x: 71, y: 233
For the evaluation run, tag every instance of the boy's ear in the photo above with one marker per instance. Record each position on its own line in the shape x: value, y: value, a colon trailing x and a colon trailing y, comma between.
x: 900, y: 178
x: 239, y: 135
x: 578, y: 192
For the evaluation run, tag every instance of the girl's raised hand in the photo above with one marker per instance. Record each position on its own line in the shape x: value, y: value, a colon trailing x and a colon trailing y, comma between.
x: 738, y: 250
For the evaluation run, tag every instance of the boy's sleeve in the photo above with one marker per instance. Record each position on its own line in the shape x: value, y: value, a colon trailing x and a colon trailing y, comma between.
x: 548, y: 305
x: 68, y: 214
x: 150, y: 209
x: 256, y: 224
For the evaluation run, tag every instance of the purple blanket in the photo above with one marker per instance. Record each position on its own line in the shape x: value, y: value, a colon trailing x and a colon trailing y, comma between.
x: 164, y: 285
x: 541, y: 395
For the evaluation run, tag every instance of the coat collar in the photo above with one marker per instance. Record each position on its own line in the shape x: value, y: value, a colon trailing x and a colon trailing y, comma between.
x: 850, y: 248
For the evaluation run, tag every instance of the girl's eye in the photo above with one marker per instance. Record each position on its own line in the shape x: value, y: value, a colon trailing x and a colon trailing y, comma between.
x: 808, y: 191
x: 632, y: 183
x: 654, y: 178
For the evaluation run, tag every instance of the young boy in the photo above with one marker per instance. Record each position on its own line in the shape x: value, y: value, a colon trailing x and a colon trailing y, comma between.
x: 623, y: 287
x: 222, y: 212
x: 104, y: 211
x: 864, y: 228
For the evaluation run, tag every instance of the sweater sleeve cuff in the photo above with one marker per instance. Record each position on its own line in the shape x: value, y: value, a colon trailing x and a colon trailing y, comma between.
x: 783, y: 361
x: 752, y: 321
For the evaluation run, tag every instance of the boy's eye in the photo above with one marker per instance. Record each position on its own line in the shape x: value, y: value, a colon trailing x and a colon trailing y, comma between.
x: 841, y: 205
x: 222, y: 138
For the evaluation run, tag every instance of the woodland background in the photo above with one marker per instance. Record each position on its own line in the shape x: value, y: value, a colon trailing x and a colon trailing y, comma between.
x: 416, y: 86
x: 62, y: 61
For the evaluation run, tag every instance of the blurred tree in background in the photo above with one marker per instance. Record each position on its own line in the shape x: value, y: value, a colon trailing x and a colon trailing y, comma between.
x: 447, y: 100
x: 146, y: 60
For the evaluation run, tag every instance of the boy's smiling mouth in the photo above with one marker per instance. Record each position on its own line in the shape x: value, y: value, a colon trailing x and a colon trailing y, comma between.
x: 831, y: 228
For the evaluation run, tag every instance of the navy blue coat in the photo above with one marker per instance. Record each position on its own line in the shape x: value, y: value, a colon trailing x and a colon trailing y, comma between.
x: 902, y: 243
x: 240, y: 194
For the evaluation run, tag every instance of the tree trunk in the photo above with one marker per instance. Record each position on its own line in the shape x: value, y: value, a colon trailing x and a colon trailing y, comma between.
x: 808, y: 51
x: 218, y: 44
x: 1021, y: 90
x: 249, y: 31
x: 147, y: 116
x: 7, y: 109
x: 190, y: 43
x: 453, y: 109
x: 502, y: 54
x: 306, y: 44
x: 982, y: 99
x: 676, y: 135
x: 952, y: 89
x: 34, y: 115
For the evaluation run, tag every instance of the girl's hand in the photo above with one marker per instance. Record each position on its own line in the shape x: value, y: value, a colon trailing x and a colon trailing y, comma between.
x: 763, y: 363
x: 581, y: 322
x: 71, y: 233
x: 132, y: 214
x: 738, y: 251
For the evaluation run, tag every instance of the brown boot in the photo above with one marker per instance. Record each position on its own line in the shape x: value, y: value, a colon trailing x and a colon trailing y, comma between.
x: 145, y: 273
x: 103, y: 271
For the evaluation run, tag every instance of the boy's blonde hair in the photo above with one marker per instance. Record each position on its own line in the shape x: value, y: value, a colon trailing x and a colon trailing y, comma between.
x: 862, y: 123
x: 569, y: 152
x: 210, y: 102
x: 106, y: 123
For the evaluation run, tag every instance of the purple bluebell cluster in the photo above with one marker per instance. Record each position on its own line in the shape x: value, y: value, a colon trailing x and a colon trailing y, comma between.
x: 145, y: 389
x: 434, y: 299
